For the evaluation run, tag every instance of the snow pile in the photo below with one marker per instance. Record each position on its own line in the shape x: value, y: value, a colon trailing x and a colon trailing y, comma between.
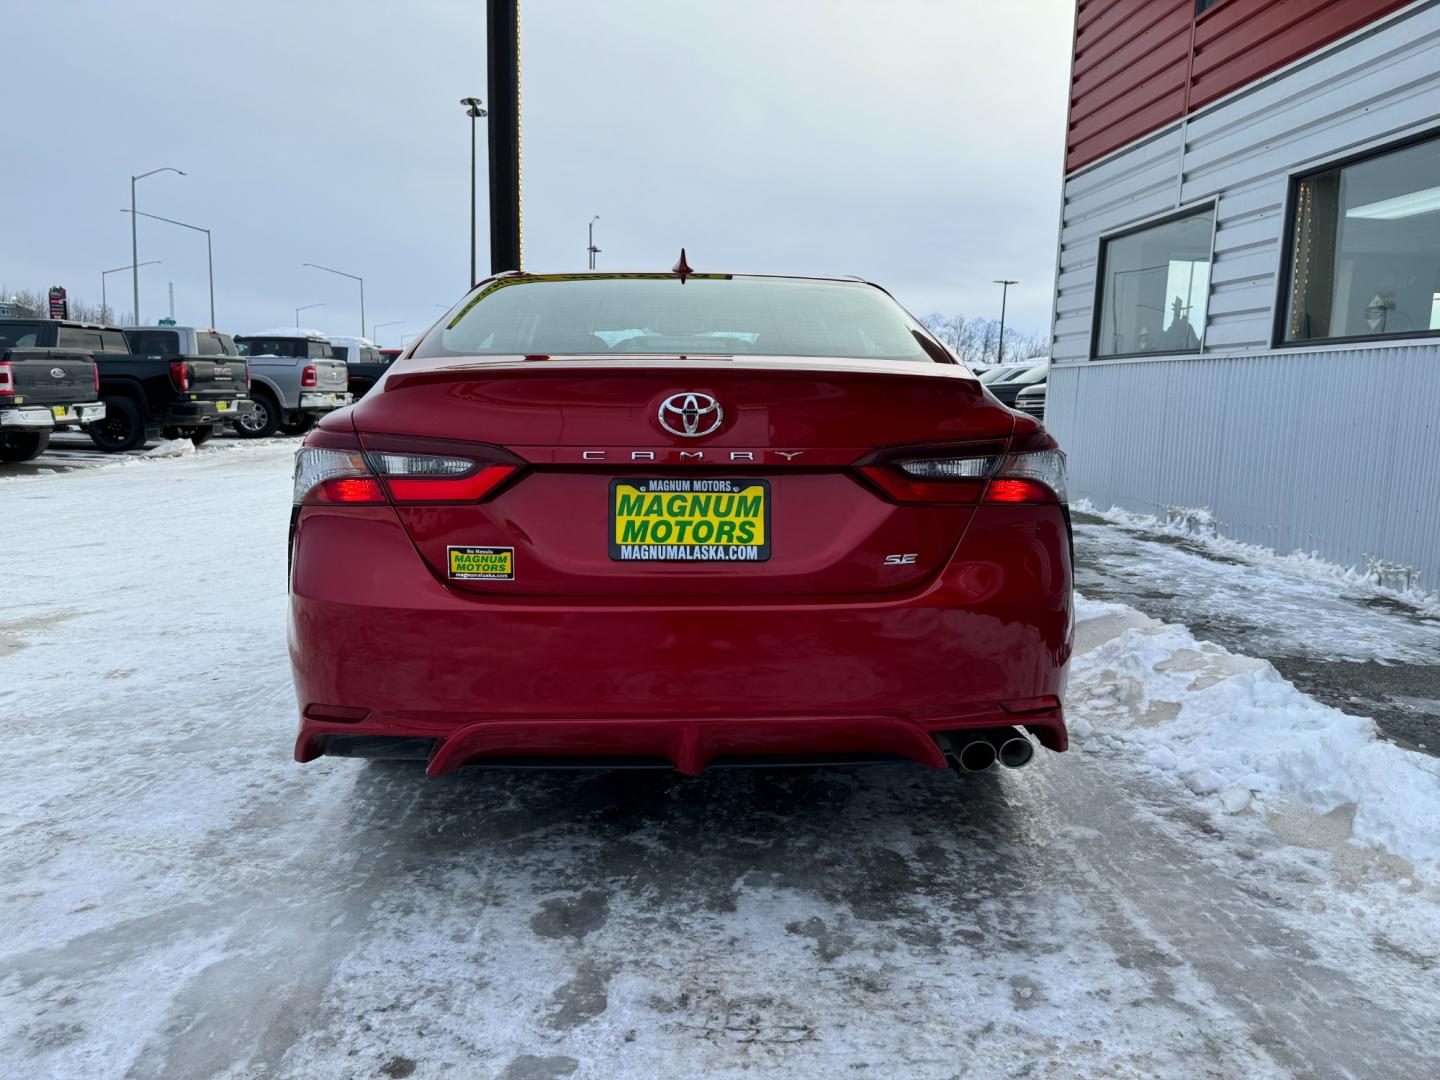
x: 171, y: 448
x: 1238, y: 734
x: 1377, y: 576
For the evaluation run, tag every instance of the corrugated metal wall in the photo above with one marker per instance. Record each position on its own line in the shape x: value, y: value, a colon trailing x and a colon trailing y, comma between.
x: 1332, y: 451
x: 1139, y: 64
x: 1310, y: 449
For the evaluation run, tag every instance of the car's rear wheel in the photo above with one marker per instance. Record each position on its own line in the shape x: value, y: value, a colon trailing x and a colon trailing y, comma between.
x: 298, y: 426
x: 23, y: 445
x: 122, y: 429
x: 262, y: 421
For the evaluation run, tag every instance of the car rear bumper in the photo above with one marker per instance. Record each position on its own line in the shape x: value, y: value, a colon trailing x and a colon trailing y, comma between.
x: 325, y: 402
x: 381, y: 647
x: 47, y: 416
x: 205, y: 412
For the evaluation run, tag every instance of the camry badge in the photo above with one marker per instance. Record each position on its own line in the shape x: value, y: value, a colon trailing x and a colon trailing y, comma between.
x: 690, y: 415
x: 57, y: 372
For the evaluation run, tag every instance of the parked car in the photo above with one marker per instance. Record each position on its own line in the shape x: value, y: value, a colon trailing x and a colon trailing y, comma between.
x: 295, y: 380
x: 733, y: 537
x: 364, y: 362
x: 1006, y: 390
x: 1002, y: 371
x: 1031, y: 399
x: 146, y: 396
x: 41, y: 389
x: 390, y: 355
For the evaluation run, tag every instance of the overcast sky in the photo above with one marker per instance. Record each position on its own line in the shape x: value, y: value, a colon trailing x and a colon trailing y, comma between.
x: 914, y: 142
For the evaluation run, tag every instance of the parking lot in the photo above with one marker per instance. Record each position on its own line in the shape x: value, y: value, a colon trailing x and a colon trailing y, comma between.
x: 182, y: 899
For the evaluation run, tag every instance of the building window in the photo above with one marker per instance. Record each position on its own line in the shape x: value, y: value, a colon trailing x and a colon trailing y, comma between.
x: 1154, y: 285
x: 1365, y: 248
x: 1202, y: 6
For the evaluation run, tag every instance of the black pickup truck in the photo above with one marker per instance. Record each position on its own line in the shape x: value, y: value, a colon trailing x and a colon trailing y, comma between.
x: 41, y: 390
x: 150, y: 395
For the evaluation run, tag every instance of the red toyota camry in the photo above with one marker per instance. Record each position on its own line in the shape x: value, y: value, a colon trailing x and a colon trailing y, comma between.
x: 684, y: 519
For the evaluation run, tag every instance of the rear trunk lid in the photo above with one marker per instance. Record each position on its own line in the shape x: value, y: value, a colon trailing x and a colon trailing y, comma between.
x: 606, y: 446
x: 50, y: 376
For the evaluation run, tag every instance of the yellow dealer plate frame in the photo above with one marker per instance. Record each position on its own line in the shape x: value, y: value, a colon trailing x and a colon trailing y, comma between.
x: 690, y: 519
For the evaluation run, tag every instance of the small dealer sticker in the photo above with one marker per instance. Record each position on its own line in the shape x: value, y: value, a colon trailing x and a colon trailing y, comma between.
x: 481, y: 563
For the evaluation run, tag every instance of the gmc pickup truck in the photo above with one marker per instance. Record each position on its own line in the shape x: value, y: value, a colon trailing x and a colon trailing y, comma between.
x: 297, y: 380
x: 41, y: 390
x: 146, y: 396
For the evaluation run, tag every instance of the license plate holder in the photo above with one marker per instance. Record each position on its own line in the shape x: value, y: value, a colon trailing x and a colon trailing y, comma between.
x: 689, y: 519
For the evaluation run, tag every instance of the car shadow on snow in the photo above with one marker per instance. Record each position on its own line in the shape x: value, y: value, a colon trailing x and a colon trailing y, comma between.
x: 880, y: 842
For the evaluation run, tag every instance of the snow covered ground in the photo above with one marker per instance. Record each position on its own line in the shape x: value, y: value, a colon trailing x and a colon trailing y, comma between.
x: 1226, y: 878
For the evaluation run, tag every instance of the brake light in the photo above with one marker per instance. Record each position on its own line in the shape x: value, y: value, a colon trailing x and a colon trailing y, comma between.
x: 247, y: 376
x: 180, y: 374
x: 7, y: 379
x: 310, y: 376
x: 95, y: 370
x: 325, y: 475
x: 1032, y: 472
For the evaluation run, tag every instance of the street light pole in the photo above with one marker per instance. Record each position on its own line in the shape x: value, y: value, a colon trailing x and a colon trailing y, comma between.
x: 135, y: 238
x: 104, y: 303
x: 209, y: 252
x: 474, y: 110
x: 307, y: 307
x: 1004, y: 293
x: 352, y: 277
x: 374, y: 330
x: 592, y: 249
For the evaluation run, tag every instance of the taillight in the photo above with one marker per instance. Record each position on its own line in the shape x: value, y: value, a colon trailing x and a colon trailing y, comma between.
x: 436, y: 473
x: 95, y: 370
x: 180, y: 374
x: 247, y: 376
x: 310, y: 376
x: 7, y: 379
x: 1030, y: 470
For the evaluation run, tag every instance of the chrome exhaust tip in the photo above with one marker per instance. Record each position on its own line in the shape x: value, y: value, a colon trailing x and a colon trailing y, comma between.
x: 1015, y: 752
x: 978, y: 755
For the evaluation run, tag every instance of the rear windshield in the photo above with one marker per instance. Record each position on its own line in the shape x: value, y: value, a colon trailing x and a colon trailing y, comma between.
x: 272, y: 346
x: 19, y: 335
x: 78, y: 337
x: 699, y: 317
x: 211, y: 343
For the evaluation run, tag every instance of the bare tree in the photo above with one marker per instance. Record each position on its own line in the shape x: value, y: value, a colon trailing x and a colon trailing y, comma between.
x: 977, y: 341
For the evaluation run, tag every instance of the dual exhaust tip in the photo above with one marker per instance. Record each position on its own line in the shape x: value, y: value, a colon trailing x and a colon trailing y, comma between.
x: 979, y: 751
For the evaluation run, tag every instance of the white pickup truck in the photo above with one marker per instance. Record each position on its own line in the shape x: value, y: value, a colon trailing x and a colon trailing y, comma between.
x: 294, y: 380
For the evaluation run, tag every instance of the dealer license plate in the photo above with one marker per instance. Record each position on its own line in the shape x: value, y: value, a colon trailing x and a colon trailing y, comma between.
x: 222, y: 405
x: 689, y: 520
x: 59, y: 411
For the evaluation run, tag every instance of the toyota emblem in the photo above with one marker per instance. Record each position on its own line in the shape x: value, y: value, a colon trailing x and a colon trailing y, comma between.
x: 690, y: 415
x: 57, y: 372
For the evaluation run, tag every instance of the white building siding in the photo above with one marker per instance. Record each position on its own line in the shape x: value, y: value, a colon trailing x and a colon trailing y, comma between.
x: 1330, y: 449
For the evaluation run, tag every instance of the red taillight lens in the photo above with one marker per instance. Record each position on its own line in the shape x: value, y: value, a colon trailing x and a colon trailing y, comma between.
x: 310, y: 376
x: 938, y: 474
x: 1031, y: 469
x: 95, y: 370
x: 1032, y: 472
x: 7, y: 379
x: 332, y: 468
x: 180, y: 374
x: 440, y: 472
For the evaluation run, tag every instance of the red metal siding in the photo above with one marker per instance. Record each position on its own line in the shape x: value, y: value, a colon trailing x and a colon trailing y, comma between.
x: 1140, y: 64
